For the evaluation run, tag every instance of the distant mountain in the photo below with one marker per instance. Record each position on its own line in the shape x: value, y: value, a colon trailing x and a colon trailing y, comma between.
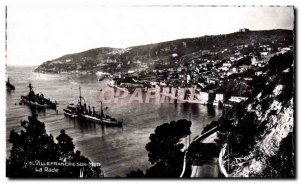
x: 121, y: 60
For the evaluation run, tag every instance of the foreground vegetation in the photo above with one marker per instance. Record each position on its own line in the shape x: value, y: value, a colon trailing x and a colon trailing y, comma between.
x: 33, y: 148
x: 164, y: 150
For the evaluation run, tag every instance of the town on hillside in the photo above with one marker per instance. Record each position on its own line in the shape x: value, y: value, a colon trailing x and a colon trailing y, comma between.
x: 213, y: 79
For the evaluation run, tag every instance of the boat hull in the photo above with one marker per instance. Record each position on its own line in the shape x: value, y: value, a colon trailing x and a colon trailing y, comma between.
x: 89, y: 118
x: 35, y: 104
x: 108, y: 122
x: 10, y: 86
x: 70, y: 115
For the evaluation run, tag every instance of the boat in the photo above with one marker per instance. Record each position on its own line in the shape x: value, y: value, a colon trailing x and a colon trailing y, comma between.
x: 9, y: 86
x: 37, y: 100
x: 101, y: 78
x: 102, y: 75
x: 84, y: 113
x: 71, y: 111
x: 109, y: 121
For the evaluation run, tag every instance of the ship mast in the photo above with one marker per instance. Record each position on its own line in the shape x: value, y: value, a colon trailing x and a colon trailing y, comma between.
x: 101, y: 110
x: 80, y: 96
x: 30, y: 89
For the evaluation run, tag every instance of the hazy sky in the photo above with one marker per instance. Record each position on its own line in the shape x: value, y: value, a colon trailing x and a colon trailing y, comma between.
x: 37, y: 34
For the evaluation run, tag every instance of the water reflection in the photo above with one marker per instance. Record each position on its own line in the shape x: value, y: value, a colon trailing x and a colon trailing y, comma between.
x: 9, y: 92
x: 211, y: 110
x: 110, y: 146
x: 83, y: 126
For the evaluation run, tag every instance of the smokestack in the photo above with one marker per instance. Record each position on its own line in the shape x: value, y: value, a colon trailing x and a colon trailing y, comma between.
x: 84, y: 107
x: 89, y: 109
x: 93, y: 110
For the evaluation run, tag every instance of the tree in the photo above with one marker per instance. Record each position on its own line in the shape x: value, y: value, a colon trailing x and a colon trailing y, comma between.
x: 65, y: 146
x: 135, y: 174
x: 164, y: 149
x: 33, y: 145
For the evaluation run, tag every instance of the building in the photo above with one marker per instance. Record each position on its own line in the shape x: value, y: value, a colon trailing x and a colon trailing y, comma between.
x: 203, y: 96
x: 258, y: 73
x: 254, y: 61
x: 243, y: 68
x: 211, y: 80
x: 285, y: 49
x: 219, y: 97
x: 235, y: 69
x: 237, y: 99
x: 264, y: 54
x: 244, y: 30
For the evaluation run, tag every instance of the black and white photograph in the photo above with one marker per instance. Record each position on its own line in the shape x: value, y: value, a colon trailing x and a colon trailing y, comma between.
x: 141, y: 92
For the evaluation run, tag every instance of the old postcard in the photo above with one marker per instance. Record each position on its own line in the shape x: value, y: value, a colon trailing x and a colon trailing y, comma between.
x: 150, y: 91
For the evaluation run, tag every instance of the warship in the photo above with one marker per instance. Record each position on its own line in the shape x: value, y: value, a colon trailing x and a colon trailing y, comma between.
x: 85, y: 113
x: 9, y: 86
x: 37, y: 100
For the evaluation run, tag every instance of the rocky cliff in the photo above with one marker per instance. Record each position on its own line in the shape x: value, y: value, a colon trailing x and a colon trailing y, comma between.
x: 260, y: 132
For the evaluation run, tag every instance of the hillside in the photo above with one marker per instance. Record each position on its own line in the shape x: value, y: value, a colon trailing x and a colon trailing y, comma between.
x: 164, y: 54
x: 259, y: 133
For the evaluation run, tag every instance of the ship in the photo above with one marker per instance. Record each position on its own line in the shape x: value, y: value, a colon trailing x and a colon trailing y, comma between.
x: 37, y: 100
x: 103, y: 75
x: 9, y: 86
x: 84, y: 113
x: 101, y: 78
